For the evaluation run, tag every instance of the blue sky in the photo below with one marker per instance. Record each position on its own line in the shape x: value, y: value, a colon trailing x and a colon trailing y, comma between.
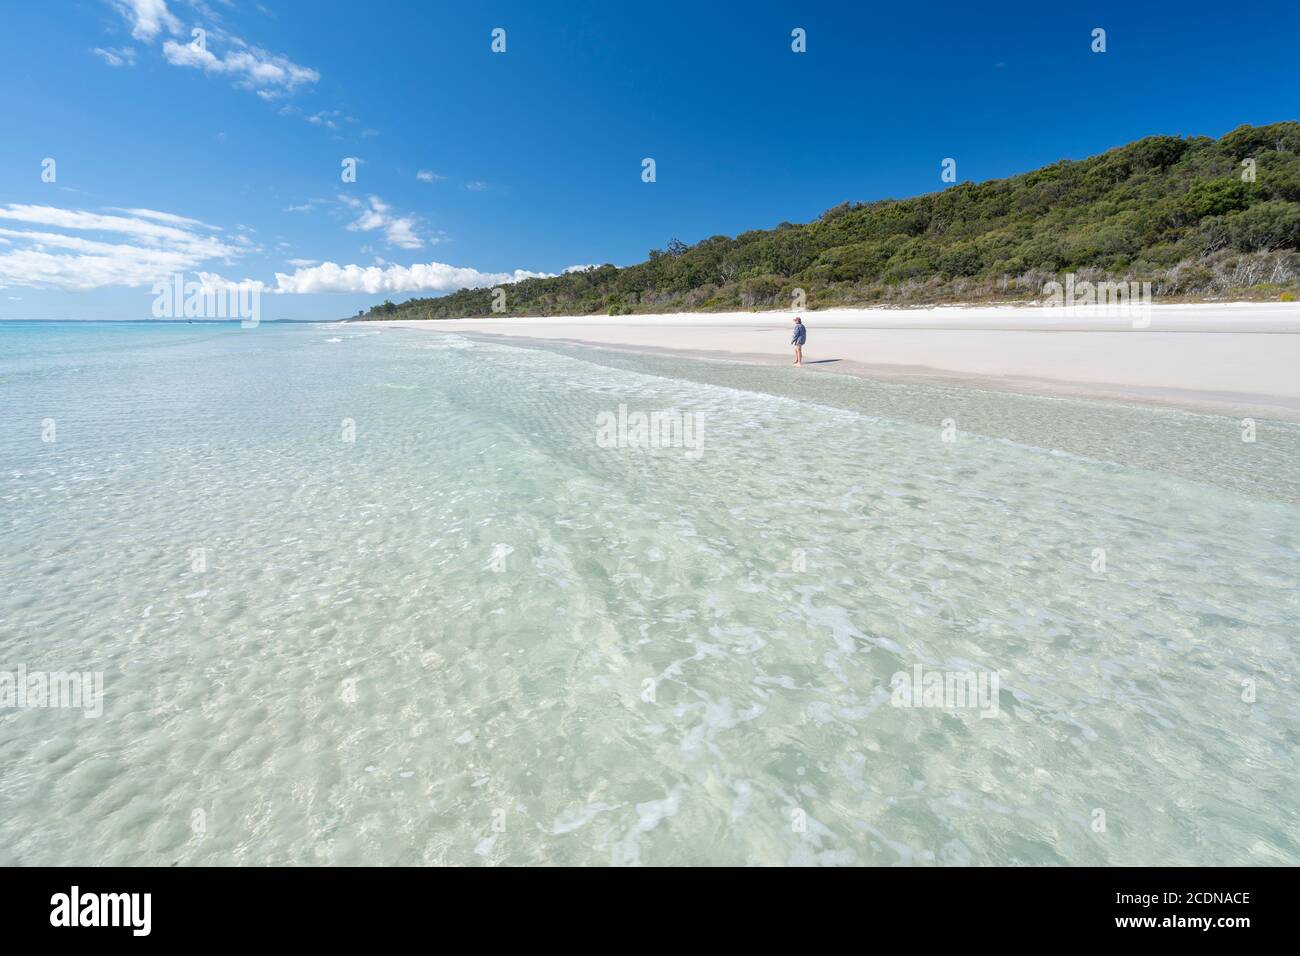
x: 225, y: 160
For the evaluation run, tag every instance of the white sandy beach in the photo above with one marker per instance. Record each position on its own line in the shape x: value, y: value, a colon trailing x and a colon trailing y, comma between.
x: 1234, y: 358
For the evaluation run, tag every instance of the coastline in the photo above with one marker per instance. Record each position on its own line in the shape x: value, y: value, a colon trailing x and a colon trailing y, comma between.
x: 1221, y: 358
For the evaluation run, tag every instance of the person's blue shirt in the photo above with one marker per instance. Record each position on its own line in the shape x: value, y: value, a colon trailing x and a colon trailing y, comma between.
x: 800, y: 334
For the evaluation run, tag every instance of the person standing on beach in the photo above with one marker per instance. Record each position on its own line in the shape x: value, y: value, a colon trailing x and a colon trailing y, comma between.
x: 797, y: 340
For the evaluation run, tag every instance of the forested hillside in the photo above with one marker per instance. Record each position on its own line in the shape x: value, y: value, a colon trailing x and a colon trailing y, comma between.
x: 1195, y: 216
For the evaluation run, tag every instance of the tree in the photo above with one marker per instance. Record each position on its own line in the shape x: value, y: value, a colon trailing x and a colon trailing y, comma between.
x: 1266, y: 227
x: 1164, y: 202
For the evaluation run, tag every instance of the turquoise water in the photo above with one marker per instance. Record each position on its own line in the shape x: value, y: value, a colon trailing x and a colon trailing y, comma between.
x: 365, y: 597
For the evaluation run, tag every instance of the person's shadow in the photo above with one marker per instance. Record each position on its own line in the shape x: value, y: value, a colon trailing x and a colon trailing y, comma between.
x: 820, y: 361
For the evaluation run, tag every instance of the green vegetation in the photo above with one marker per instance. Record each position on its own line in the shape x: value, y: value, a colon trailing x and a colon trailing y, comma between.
x: 1184, y: 214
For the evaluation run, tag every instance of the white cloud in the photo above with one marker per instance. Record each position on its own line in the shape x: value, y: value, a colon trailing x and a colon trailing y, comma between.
x: 586, y: 268
x: 121, y: 56
x: 326, y: 118
x: 376, y: 214
x: 95, y: 249
x: 373, y: 280
x: 80, y: 219
x: 477, y: 186
x: 251, y: 67
x: 147, y: 18
x: 429, y: 176
x: 400, y: 233
x: 214, y: 282
x: 166, y: 217
x: 269, y: 75
x: 206, y: 11
x: 307, y: 206
x: 78, y: 250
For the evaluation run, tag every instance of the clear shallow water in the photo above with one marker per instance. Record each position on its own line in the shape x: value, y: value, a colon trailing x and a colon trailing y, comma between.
x: 432, y: 644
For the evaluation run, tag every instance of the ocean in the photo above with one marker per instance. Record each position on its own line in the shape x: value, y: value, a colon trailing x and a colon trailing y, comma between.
x: 338, y: 594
